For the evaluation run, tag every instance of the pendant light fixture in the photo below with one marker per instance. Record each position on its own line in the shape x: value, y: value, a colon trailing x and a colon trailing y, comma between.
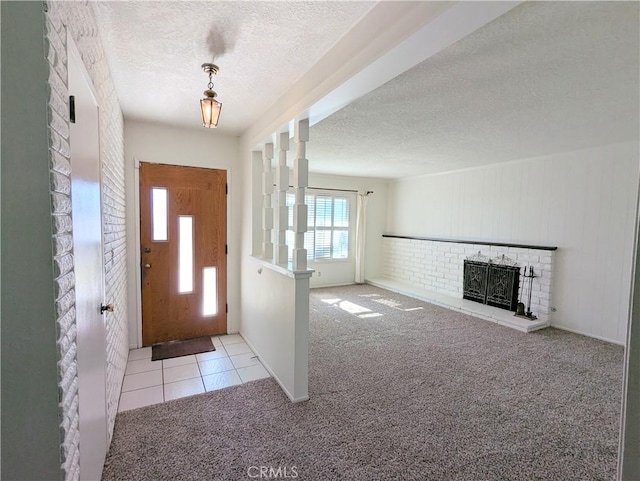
x: 209, y: 105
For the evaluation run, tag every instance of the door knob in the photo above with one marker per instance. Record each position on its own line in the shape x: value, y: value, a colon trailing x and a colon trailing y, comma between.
x: 147, y: 266
x: 108, y: 308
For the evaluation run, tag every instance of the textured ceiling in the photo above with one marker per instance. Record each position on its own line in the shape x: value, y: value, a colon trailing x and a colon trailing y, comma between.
x: 155, y: 50
x: 545, y: 77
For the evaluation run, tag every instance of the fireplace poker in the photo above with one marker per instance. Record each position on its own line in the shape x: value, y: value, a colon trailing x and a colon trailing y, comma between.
x: 530, y: 277
x: 520, y: 305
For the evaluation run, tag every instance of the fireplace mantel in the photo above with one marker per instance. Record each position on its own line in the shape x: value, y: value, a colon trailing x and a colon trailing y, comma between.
x: 474, y: 242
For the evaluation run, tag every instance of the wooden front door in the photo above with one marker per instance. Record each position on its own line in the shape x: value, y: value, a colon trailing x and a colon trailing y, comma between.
x: 183, y: 233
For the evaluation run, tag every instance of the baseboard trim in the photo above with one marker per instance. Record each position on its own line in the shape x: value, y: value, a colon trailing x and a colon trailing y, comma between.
x: 333, y: 285
x: 599, y: 338
x: 273, y: 375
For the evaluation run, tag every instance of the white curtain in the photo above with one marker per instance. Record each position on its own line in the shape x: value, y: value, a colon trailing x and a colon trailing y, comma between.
x: 361, y: 234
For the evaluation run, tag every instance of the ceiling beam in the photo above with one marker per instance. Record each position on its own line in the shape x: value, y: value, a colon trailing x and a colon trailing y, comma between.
x: 392, y: 38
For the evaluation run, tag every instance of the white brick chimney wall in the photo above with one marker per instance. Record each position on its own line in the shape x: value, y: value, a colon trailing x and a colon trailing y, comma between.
x: 78, y: 18
x: 438, y: 266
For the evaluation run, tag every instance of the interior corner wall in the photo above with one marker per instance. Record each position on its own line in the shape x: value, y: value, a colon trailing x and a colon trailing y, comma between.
x: 254, y: 175
x: 629, y: 449
x: 197, y: 147
x: 583, y: 202
x: 31, y: 433
x: 251, y: 225
x: 334, y: 273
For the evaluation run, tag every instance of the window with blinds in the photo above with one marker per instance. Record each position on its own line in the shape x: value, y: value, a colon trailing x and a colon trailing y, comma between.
x: 327, y: 236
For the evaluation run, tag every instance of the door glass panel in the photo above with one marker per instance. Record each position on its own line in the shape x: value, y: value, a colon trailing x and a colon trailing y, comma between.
x: 210, y: 291
x: 185, y: 254
x: 159, y: 209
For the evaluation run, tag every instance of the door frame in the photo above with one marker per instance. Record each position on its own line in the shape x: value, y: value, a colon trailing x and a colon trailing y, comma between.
x: 138, y: 254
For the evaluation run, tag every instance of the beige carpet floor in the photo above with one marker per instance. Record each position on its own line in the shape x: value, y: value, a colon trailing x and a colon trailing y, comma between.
x: 400, y: 389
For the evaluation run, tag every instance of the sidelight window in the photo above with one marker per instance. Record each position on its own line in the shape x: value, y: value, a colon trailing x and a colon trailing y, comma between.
x: 185, y: 254
x: 159, y: 216
x: 210, y: 291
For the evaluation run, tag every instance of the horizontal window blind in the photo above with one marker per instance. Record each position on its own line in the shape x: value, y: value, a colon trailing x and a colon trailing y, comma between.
x: 328, y: 223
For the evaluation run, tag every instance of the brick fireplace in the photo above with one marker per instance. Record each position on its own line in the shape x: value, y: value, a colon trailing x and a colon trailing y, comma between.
x: 437, y: 266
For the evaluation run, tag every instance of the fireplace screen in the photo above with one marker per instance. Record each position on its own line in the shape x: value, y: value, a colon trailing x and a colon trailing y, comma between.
x: 492, y: 284
x: 475, y: 281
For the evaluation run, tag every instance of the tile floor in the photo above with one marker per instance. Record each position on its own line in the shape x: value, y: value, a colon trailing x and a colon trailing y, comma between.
x: 151, y: 382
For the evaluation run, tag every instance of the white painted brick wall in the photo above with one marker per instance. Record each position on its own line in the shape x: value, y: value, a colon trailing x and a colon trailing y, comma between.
x: 79, y: 19
x: 439, y: 267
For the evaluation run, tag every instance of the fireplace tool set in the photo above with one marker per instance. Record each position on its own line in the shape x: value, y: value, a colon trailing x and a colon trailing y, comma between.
x: 527, y: 287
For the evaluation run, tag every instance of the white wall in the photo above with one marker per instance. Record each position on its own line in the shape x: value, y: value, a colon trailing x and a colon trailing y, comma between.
x: 583, y: 202
x: 146, y: 142
x: 274, y: 328
x: 338, y: 272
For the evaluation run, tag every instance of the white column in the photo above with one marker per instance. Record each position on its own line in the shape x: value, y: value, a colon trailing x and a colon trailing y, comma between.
x: 267, y: 210
x: 282, y: 185
x: 300, y: 182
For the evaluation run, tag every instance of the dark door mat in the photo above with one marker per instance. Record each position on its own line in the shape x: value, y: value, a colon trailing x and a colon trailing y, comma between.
x: 167, y: 350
